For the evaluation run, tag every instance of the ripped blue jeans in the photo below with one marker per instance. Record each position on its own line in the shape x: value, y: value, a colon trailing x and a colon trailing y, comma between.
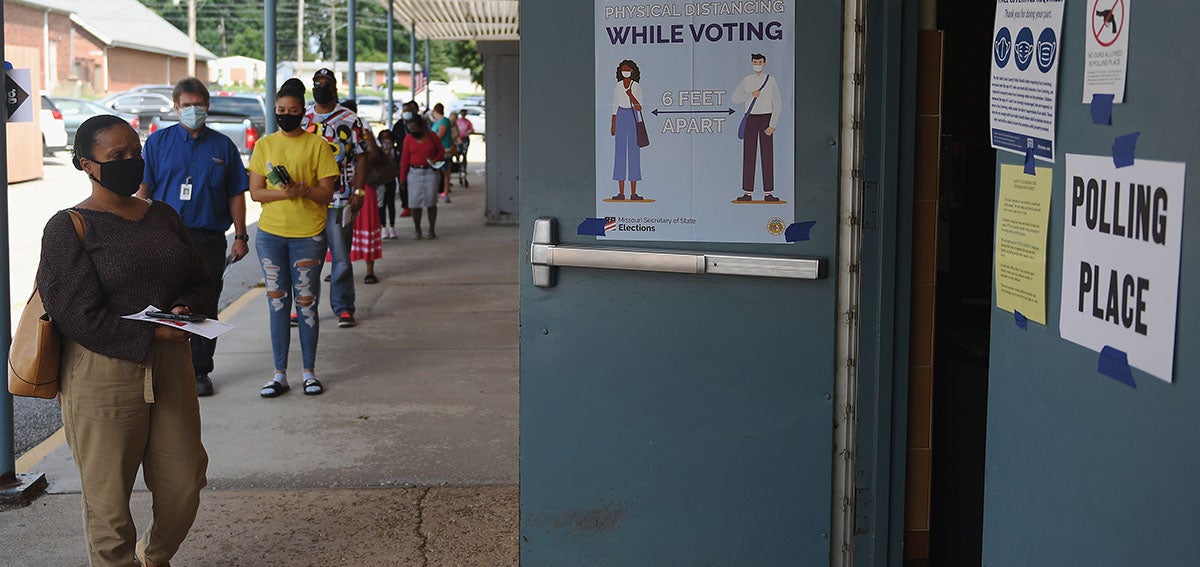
x: 292, y: 271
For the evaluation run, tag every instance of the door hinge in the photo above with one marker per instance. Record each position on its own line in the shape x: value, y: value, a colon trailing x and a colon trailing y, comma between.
x: 862, y: 511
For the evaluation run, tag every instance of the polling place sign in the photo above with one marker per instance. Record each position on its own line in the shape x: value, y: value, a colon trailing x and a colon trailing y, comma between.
x: 1122, y: 236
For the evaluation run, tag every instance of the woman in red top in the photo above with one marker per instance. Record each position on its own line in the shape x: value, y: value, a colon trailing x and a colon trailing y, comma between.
x: 420, y: 159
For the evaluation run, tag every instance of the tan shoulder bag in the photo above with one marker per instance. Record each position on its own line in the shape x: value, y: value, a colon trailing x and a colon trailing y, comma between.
x: 33, y: 360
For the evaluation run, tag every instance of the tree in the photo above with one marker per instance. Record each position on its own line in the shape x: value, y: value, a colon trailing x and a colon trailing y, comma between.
x: 235, y: 27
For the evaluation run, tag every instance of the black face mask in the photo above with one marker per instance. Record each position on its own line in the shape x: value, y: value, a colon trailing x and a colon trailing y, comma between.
x: 121, y: 176
x: 288, y: 122
x: 324, y: 94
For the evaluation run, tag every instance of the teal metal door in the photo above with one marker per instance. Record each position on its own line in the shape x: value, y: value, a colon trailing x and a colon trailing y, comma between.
x: 671, y: 419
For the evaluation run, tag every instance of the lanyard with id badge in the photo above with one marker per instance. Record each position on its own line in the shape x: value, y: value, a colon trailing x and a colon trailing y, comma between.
x: 185, y: 190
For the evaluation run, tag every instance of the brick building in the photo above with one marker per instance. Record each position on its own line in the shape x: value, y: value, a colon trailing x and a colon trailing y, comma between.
x: 95, y: 48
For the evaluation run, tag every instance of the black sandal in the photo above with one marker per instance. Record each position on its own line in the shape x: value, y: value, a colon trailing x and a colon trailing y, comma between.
x: 370, y: 279
x: 274, y: 389
x: 316, y: 385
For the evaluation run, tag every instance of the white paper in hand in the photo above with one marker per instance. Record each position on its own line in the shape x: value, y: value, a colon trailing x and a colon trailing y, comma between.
x: 208, y: 328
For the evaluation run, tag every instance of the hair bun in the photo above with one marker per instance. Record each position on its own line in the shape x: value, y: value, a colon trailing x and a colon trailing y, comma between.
x: 292, y: 87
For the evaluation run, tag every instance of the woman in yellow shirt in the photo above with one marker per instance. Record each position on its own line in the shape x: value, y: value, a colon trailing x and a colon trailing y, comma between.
x: 292, y: 173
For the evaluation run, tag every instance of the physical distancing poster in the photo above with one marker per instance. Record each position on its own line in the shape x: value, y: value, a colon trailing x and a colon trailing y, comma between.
x: 695, y: 122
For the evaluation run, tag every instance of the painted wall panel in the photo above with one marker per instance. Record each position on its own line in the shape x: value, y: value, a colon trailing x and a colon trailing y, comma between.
x: 1081, y: 469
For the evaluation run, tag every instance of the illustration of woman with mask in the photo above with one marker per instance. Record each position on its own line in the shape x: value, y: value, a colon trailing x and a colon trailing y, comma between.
x: 127, y: 388
x: 291, y: 231
x: 626, y: 112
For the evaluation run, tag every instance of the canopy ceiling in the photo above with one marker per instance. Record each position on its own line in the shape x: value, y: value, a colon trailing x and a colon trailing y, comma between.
x: 459, y: 19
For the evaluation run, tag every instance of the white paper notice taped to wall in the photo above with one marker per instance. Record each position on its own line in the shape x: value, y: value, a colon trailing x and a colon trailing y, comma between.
x: 1122, y: 236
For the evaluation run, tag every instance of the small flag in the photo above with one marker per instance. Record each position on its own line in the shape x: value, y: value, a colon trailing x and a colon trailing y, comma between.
x: 419, y: 82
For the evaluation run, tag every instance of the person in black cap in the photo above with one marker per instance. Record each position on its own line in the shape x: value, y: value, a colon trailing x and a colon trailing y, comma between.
x: 343, y: 130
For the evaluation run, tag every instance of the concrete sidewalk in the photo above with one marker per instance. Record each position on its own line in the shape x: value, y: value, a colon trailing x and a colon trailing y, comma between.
x: 409, y: 458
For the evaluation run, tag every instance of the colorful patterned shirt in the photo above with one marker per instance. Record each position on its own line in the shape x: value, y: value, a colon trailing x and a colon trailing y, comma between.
x: 343, y: 130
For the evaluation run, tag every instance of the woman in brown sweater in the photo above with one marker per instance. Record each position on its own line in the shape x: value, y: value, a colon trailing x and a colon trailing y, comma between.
x: 127, y: 392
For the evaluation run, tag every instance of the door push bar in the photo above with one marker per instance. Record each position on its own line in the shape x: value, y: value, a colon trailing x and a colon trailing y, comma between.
x: 545, y: 253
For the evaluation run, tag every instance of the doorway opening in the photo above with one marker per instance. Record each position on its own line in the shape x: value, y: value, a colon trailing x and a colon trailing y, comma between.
x: 964, y: 288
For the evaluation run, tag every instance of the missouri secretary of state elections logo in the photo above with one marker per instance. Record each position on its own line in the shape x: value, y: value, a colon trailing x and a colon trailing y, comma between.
x: 776, y: 226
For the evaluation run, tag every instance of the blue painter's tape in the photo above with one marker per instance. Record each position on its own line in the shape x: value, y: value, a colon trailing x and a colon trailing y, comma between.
x: 1102, y: 107
x: 591, y: 227
x: 799, y: 231
x: 1019, y: 318
x: 1123, y: 148
x: 1115, y: 364
x: 1030, y: 163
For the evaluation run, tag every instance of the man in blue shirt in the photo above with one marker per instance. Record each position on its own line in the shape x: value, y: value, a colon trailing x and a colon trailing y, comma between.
x: 199, y: 172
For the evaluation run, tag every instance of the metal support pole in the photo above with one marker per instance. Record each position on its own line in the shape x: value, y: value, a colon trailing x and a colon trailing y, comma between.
x: 391, y: 67
x: 7, y: 449
x: 192, y: 41
x: 412, y: 62
x: 14, y: 488
x: 300, y: 40
x: 425, y: 71
x: 351, y: 35
x: 269, y: 55
x: 333, y: 36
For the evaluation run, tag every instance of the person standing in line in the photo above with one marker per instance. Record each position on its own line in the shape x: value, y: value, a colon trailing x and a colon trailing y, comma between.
x: 760, y: 93
x: 126, y: 390
x: 441, y: 127
x: 342, y: 129
x: 421, y: 149
x: 366, y: 244
x: 387, y: 197
x: 291, y: 239
x: 408, y: 111
x: 199, y: 173
x: 465, y: 129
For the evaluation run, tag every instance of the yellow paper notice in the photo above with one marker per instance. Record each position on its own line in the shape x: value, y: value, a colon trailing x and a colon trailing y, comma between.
x: 1022, y: 219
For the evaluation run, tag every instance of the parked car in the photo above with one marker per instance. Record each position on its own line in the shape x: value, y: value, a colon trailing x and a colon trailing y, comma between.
x: 149, y: 107
x: 472, y: 100
x: 241, y: 117
x: 370, y: 108
x: 165, y: 90
x: 76, y: 110
x: 54, y: 130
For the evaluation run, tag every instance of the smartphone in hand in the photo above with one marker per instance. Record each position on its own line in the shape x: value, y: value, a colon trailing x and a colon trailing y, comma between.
x: 279, y: 176
x: 284, y: 177
x: 187, y: 317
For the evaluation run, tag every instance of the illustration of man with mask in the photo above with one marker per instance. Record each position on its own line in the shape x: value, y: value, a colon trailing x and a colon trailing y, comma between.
x: 199, y: 173
x: 760, y: 93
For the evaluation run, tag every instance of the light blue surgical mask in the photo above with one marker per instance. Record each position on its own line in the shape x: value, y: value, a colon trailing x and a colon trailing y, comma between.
x: 406, y: 115
x: 193, y: 117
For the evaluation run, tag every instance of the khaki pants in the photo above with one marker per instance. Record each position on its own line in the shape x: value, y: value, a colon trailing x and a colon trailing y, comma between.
x: 119, y: 415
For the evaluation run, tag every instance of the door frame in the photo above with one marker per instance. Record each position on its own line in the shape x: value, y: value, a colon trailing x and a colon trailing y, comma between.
x: 877, y: 275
